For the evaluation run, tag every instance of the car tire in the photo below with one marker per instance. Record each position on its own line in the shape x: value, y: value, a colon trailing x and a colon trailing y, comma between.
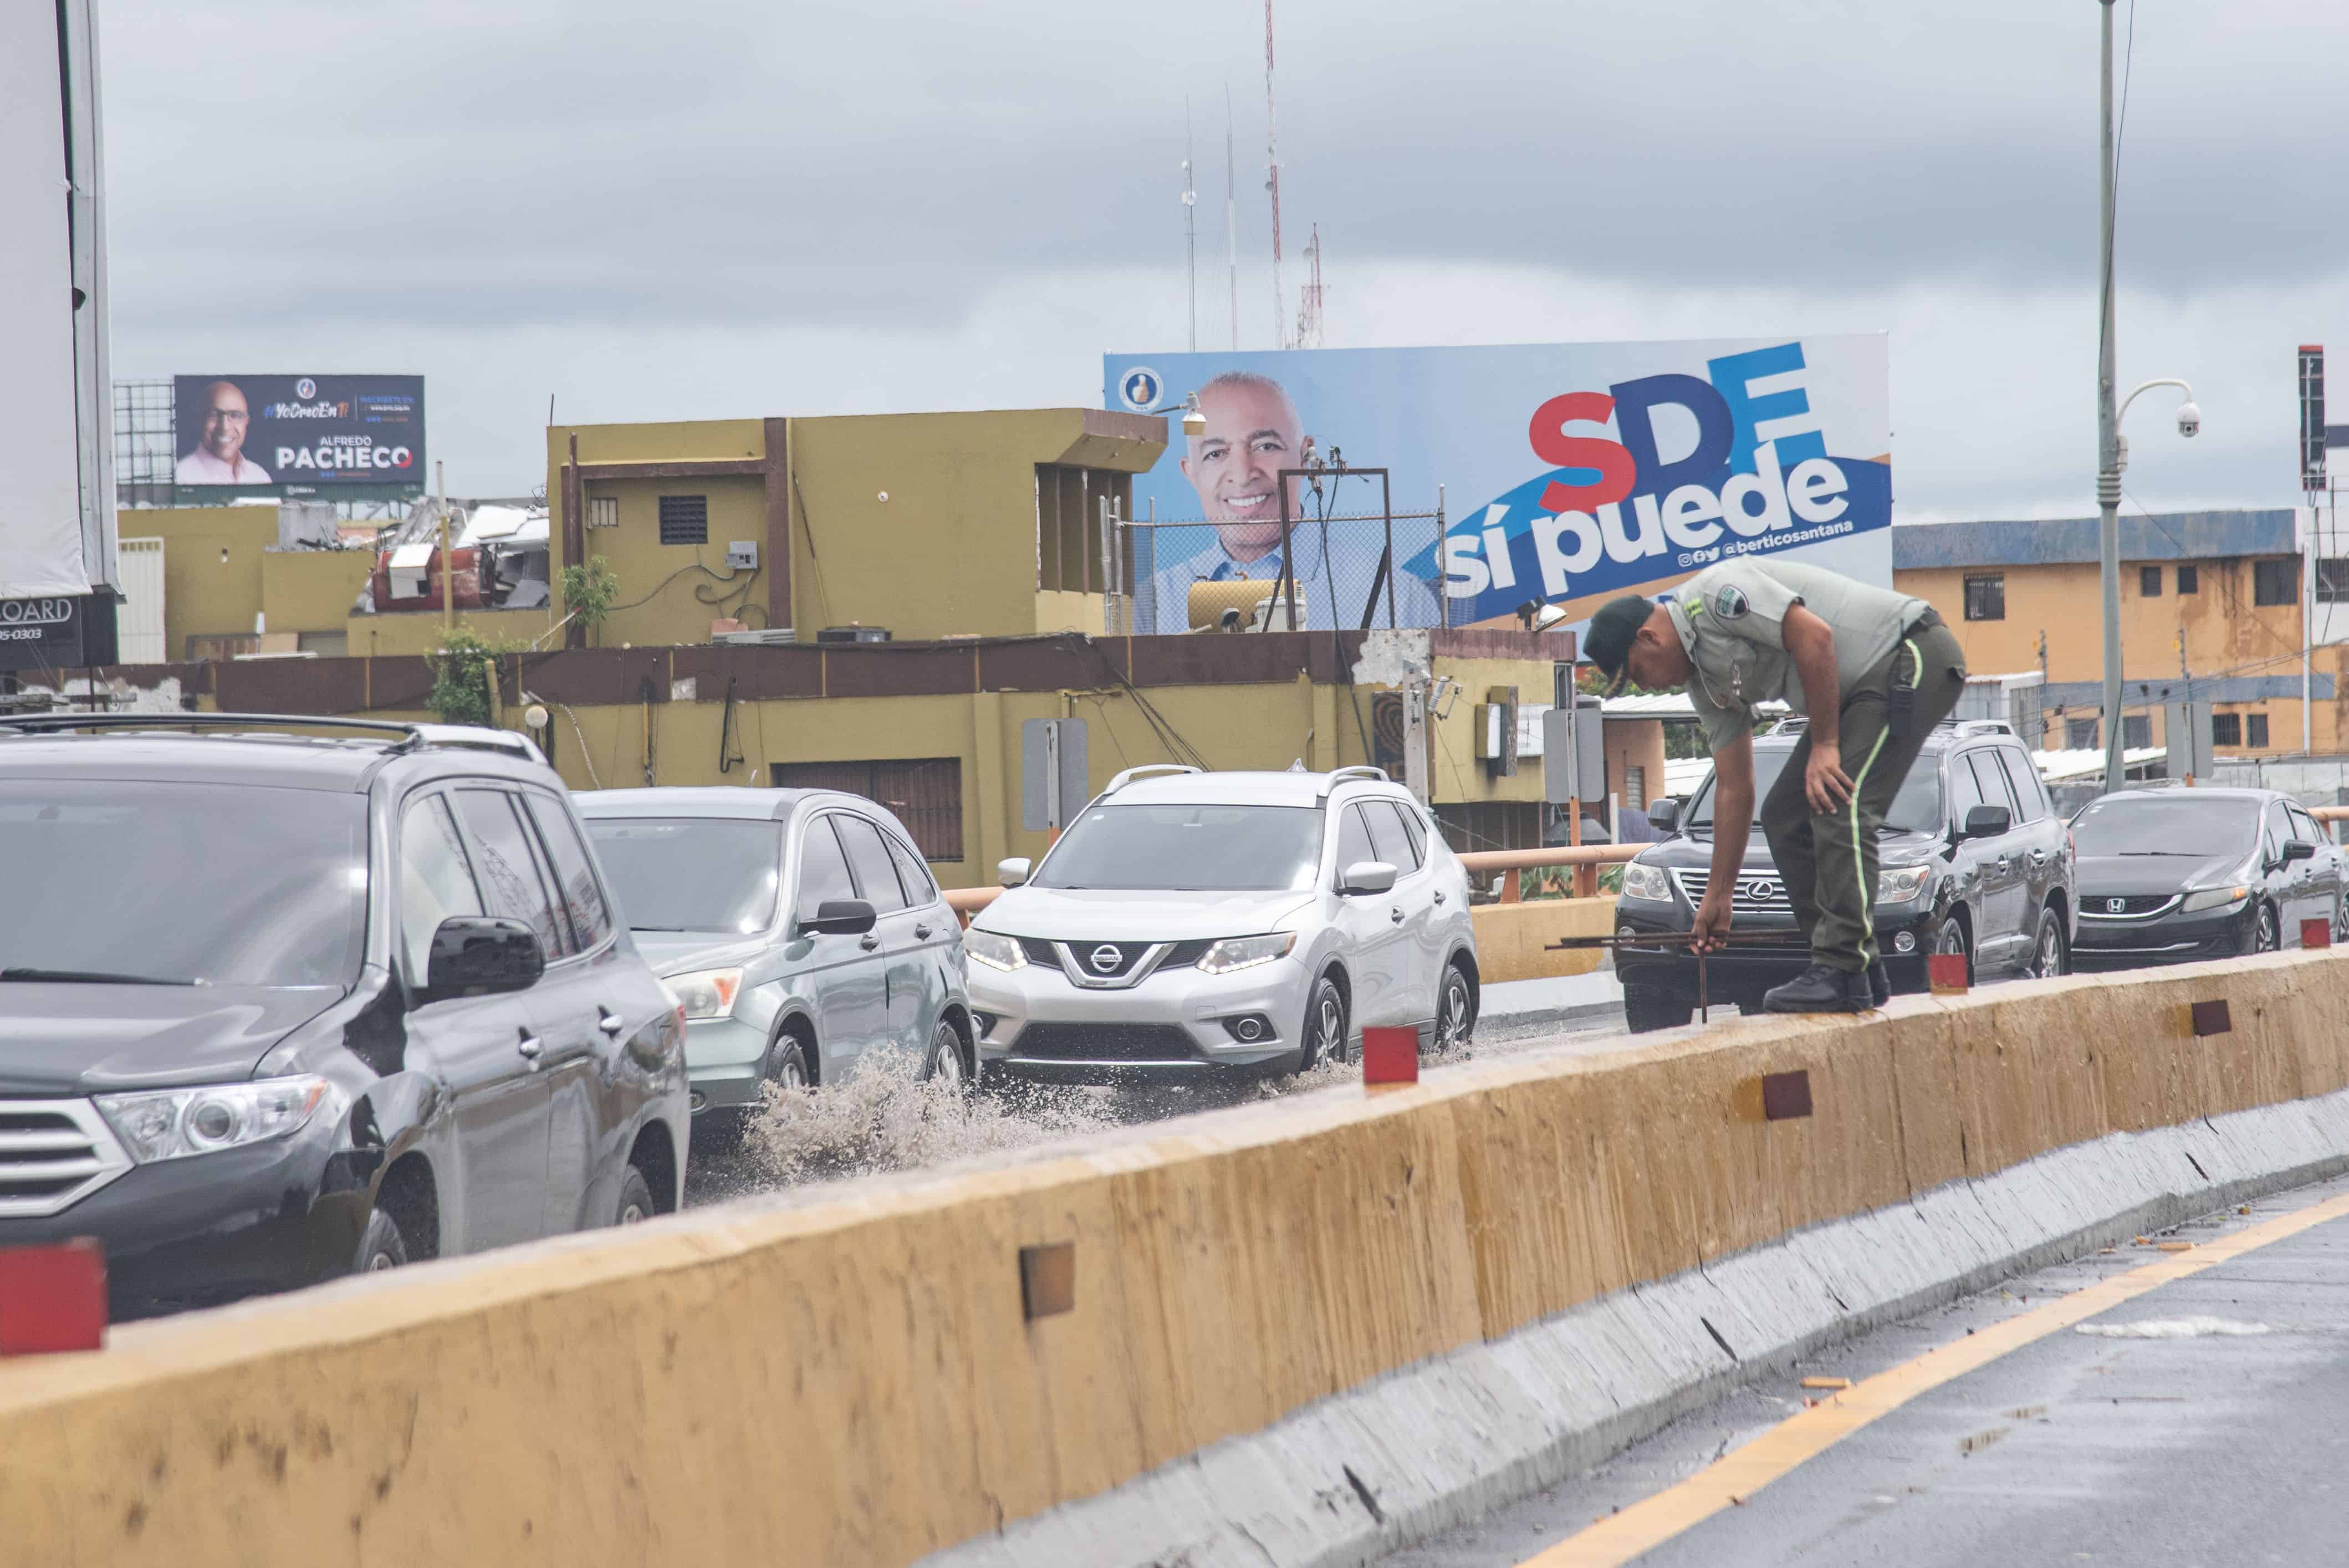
x: 1647, y: 1008
x: 381, y: 1246
x: 2263, y: 934
x: 946, y: 1059
x: 1326, y: 1029
x: 635, y: 1205
x: 1950, y: 938
x: 2341, y: 923
x: 1455, y: 1009
x: 2051, y: 955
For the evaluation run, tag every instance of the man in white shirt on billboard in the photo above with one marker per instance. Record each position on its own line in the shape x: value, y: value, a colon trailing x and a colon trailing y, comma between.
x: 219, y: 456
x: 1253, y: 432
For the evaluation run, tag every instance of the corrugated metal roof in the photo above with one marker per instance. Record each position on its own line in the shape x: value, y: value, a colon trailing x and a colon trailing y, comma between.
x: 2071, y: 541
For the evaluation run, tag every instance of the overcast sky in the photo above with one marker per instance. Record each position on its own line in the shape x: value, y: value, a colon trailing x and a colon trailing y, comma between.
x: 729, y: 208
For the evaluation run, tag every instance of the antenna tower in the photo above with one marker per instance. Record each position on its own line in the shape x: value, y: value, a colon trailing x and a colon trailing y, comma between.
x: 1272, y: 184
x: 1309, y: 309
x: 1231, y: 218
x: 1191, y: 223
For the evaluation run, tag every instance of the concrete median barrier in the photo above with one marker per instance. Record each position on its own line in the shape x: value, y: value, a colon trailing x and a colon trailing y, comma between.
x: 1420, y: 1291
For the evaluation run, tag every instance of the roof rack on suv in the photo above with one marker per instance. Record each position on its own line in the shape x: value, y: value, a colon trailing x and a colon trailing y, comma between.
x: 1130, y: 774
x: 1980, y: 726
x: 404, y: 734
x: 1361, y: 772
x: 1792, y: 723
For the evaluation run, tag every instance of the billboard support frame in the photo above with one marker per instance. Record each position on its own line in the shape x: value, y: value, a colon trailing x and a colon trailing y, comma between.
x: 1284, y: 585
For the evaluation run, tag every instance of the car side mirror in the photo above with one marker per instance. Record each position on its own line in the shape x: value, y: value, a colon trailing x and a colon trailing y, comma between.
x: 1367, y: 877
x: 1987, y: 822
x: 840, y: 917
x: 1665, y: 815
x: 482, y: 955
x: 1013, y: 872
x: 2298, y: 850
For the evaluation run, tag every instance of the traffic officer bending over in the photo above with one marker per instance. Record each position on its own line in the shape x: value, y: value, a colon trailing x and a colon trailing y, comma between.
x: 1874, y: 669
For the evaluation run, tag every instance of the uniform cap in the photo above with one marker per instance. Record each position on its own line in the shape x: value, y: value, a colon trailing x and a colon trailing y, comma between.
x: 1609, y: 640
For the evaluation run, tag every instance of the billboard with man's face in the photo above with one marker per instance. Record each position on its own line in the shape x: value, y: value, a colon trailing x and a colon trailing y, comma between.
x: 357, y: 436
x: 1569, y: 473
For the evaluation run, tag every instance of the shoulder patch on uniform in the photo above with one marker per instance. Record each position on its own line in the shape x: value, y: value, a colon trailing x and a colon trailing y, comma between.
x: 1729, y: 602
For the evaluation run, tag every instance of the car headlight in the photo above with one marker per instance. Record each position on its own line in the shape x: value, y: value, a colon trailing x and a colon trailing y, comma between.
x: 1645, y: 881
x: 1246, y: 952
x: 994, y: 949
x: 1903, y: 884
x: 2214, y: 897
x: 706, y: 993
x: 170, y: 1124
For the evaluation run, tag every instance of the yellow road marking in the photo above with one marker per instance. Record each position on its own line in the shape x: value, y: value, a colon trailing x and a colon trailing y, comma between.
x: 1736, y: 1476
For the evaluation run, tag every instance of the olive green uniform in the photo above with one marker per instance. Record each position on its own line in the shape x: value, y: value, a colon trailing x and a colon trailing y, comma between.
x: 1900, y: 671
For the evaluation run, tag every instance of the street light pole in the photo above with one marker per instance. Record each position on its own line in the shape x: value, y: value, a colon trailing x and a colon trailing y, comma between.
x: 2108, y: 474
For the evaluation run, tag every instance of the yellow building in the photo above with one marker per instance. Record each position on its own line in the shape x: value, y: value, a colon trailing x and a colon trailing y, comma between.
x: 2211, y: 612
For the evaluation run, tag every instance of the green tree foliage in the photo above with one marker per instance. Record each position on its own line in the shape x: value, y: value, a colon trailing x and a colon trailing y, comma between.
x: 461, y: 673
x: 588, y: 590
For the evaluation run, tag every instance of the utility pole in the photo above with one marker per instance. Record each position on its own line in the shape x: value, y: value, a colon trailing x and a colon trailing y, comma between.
x: 2108, y: 472
x: 1231, y: 219
x: 1272, y: 184
x: 1191, y: 224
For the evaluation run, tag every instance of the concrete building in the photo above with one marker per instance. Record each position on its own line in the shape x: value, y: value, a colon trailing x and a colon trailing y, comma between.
x: 2211, y: 610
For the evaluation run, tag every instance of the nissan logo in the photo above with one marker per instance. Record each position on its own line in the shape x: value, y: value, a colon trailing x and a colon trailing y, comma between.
x: 1106, y: 958
x: 2115, y: 905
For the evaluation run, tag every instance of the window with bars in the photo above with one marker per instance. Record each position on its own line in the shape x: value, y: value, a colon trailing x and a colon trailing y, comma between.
x: 2189, y: 579
x: 2255, y: 729
x: 2275, y: 582
x: 1986, y: 598
x: 2148, y: 582
x: 925, y: 793
x: 685, y: 519
x: 2226, y: 730
x: 2137, y: 731
x: 2333, y: 580
x: 2080, y: 734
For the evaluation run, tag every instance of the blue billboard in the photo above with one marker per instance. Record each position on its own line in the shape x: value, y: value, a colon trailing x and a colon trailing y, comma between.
x: 1568, y: 473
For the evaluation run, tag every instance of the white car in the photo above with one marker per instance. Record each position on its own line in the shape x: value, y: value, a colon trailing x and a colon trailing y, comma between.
x: 1191, y: 923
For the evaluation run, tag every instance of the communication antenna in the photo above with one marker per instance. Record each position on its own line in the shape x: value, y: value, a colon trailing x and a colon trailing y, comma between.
x: 1272, y: 184
x: 1309, y: 312
x: 1231, y: 219
x: 1191, y: 223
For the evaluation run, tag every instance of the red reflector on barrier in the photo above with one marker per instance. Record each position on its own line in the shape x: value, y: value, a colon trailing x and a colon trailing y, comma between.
x: 1389, y: 1056
x: 52, y: 1298
x: 1946, y: 972
x: 2316, y: 932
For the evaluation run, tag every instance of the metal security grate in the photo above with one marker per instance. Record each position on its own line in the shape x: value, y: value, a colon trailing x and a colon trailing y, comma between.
x: 1105, y: 1043
x: 685, y: 519
x: 53, y: 1155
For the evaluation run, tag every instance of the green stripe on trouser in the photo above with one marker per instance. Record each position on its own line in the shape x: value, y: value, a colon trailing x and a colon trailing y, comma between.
x: 1828, y: 860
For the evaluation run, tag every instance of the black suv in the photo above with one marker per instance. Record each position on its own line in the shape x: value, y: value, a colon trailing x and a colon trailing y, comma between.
x: 1971, y: 859
x: 281, y: 999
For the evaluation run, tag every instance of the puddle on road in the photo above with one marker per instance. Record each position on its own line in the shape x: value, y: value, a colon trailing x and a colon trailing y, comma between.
x: 2171, y: 1328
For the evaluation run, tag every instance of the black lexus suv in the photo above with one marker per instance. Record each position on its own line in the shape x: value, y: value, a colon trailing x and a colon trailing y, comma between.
x: 282, y: 999
x: 1971, y: 859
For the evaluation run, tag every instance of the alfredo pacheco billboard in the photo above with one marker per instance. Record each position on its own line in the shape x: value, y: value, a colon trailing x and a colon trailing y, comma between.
x: 356, y: 436
x: 1571, y: 472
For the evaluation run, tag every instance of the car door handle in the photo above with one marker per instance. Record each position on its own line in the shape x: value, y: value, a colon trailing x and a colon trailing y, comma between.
x: 921, y: 934
x: 530, y: 1046
x: 1439, y: 898
x: 609, y: 1021
x: 1395, y: 915
x: 868, y: 942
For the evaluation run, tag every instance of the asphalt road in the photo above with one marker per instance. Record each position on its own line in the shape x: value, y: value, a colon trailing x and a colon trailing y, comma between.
x: 2226, y: 1445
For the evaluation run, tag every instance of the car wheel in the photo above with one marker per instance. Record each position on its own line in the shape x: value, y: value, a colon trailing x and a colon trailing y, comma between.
x: 1325, y: 1025
x: 1950, y: 939
x: 2050, y: 956
x: 1651, y: 1007
x: 2341, y: 923
x: 381, y: 1246
x: 635, y: 1203
x: 1456, y: 1010
x: 946, y: 1059
x: 787, y: 1064
x: 2267, y: 935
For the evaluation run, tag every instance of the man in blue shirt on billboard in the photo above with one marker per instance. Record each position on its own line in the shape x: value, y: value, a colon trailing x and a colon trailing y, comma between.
x: 1253, y: 432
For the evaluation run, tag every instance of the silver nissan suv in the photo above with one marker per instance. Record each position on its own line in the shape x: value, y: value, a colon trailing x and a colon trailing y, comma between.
x: 1190, y: 923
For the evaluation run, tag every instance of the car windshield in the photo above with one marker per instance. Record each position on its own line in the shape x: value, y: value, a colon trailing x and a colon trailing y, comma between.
x: 1207, y: 849
x: 2185, y: 825
x: 181, y: 884
x: 691, y: 873
x: 1917, y: 808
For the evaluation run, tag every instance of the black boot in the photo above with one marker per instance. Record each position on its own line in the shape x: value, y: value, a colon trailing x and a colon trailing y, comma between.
x: 1880, y: 983
x: 1821, y: 988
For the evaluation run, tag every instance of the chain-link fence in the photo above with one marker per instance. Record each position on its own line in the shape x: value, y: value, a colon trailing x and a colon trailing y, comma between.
x: 1343, y: 570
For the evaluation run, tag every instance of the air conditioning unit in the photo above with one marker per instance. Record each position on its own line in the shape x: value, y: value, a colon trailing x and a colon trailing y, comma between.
x: 761, y: 637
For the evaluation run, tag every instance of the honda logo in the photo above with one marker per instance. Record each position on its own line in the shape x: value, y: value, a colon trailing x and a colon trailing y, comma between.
x: 1105, y: 958
x: 2115, y: 905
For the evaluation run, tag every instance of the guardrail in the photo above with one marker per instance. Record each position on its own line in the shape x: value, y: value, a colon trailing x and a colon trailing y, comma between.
x: 1585, y: 859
